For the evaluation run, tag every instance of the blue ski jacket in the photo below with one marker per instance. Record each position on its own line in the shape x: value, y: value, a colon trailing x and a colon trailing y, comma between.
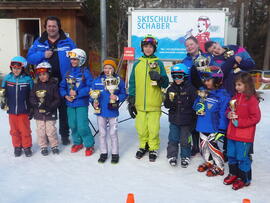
x: 215, y: 119
x: 82, y: 86
x: 17, y: 93
x: 104, y: 98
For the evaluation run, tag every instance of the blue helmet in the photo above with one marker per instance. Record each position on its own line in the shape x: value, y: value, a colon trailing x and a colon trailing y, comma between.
x: 179, y: 71
x: 18, y: 62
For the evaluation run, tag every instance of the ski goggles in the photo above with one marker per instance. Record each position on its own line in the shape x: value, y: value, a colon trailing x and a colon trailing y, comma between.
x: 71, y: 54
x: 178, y: 76
x: 149, y: 40
x: 16, y: 64
x: 208, y: 76
x: 41, y: 70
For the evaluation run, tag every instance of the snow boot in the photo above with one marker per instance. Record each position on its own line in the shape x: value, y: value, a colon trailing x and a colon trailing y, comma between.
x: 89, y: 151
x: 185, y: 162
x: 230, y: 179
x: 102, y: 158
x: 44, y: 151
x: 203, y: 167
x: 152, y: 156
x: 172, y: 161
x: 76, y: 148
x: 215, y: 171
x: 17, y: 151
x: 239, y: 183
x: 27, y: 151
x: 65, y: 140
x: 55, y: 150
x: 115, y: 158
x: 142, y: 151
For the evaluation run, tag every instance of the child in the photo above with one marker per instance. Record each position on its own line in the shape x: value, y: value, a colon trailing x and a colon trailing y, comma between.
x: 212, y: 121
x: 241, y: 131
x: 147, y: 78
x: 180, y: 97
x: 75, y: 88
x: 18, y: 85
x: 45, y: 108
x: 108, y: 114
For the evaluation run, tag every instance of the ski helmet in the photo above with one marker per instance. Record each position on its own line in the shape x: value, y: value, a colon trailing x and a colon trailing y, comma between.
x: 18, y: 62
x: 77, y: 54
x: 179, y: 71
x: 43, y: 67
x: 214, y: 72
x: 149, y: 39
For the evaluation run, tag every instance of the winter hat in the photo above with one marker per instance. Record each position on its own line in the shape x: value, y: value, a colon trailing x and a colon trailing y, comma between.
x: 109, y: 61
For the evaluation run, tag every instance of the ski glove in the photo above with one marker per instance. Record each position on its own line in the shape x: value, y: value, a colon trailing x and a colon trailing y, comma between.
x: 154, y: 75
x: 199, y: 107
x: 131, y: 106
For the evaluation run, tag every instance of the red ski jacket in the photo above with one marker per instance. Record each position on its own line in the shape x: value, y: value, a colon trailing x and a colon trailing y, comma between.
x: 249, y: 115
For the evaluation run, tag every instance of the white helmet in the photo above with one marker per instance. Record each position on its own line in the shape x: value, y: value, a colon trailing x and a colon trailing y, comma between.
x: 77, y: 54
x: 43, y: 67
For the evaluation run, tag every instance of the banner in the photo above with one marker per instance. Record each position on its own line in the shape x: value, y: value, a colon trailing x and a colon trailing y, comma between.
x: 172, y: 27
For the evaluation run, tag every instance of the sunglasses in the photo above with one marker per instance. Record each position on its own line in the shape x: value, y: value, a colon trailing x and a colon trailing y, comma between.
x: 16, y: 64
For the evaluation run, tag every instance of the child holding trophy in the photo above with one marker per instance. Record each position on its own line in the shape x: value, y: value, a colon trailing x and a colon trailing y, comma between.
x: 211, y: 121
x: 107, y: 92
x: 180, y: 97
x: 244, y: 114
x: 17, y: 87
x: 75, y: 88
x: 147, y: 78
x: 45, y: 99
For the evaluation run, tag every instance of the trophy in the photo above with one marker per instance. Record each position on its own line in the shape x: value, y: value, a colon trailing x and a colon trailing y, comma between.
x: 41, y: 94
x: 227, y: 54
x: 153, y: 66
x: 71, y: 81
x: 111, y: 84
x: 94, y: 94
x: 3, y: 99
x: 233, y: 108
x: 202, y: 62
x: 171, y: 96
x: 203, y: 93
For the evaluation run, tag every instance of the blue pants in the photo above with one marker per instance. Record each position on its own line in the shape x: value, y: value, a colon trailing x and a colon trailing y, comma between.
x: 238, y: 154
x: 179, y: 134
x: 79, y: 125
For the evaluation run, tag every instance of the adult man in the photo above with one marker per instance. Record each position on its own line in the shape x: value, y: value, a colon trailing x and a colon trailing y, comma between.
x: 52, y: 47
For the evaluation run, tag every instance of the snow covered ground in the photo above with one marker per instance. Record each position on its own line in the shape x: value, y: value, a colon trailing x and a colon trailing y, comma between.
x: 76, y: 178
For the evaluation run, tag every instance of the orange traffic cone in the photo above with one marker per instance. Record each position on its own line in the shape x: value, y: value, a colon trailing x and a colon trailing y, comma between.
x: 246, y: 200
x: 130, y: 198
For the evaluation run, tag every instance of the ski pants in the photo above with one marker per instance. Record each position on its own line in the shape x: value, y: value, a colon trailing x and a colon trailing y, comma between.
x: 79, y: 125
x: 179, y: 134
x: 147, y: 126
x: 112, y: 131
x: 238, y: 153
x: 210, y: 150
x: 20, y: 130
x: 46, y: 131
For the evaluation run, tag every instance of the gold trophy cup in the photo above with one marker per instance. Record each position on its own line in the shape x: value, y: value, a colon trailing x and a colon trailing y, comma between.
x: 202, y: 62
x: 111, y: 84
x: 203, y: 95
x: 228, y: 54
x: 153, y: 67
x: 233, y: 107
x: 171, y: 96
x: 71, y: 81
x: 94, y: 94
x: 3, y: 98
x: 41, y: 94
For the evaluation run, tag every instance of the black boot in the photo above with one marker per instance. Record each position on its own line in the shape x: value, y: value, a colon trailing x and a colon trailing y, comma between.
x: 44, y: 151
x: 17, y: 151
x: 142, y: 151
x: 55, y: 150
x: 152, y: 156
x: 195, y: 140
x: 65, y: 141
x: 102, y: 158
x: 27, y: 151
x: 115, y: 158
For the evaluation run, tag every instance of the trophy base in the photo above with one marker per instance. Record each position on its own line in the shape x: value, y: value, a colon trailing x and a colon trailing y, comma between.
x: 113, y: 106
x: 154, y: 83
x: 200, y: 113
x: 41, y: 110
x: 73, y: 97
x: 97, y: 111
x: 236, y: 70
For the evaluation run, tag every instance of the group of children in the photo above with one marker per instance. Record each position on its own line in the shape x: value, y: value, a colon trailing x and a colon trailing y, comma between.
x: 215, y: 117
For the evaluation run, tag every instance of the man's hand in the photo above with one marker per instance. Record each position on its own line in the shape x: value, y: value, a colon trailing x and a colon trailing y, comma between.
x: 48, y: 54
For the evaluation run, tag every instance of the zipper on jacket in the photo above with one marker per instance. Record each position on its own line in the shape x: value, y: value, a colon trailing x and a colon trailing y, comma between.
x: 16, y: 97
x: 145, y: 84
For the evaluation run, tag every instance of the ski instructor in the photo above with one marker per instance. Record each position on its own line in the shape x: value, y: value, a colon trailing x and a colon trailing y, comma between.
x: 52, y: 47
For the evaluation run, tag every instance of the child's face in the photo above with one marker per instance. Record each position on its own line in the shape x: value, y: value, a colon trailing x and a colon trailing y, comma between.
x: 178, y: 82
x: 240, y: 87
x: 16, y: 71
x: 43, y: 77
x: 191, y: 47
x: 74, y: 62
x: 148, y: 49
x: 209, y: 84
x: 215, y: 49
x: 108, y: 70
